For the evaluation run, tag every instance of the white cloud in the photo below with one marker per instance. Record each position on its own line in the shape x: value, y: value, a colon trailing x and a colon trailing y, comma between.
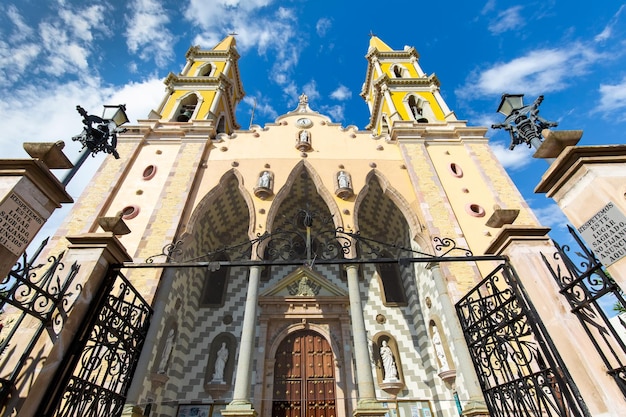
x: 509, y: 19
x: 608, y: 29
x: 22, y: 31
x: 537, y: 72
x: 61, y: 45
x: 310, y: 89
x: 58, y: 102
x: 613, y: 99
x: 341, y: 93
x: 261, y: 107
x: 512, y: 159
x: 273, y: 32
x: 335, y: 112
x: 552, y: 216
x: 147, y: 33
x: 322, y: 26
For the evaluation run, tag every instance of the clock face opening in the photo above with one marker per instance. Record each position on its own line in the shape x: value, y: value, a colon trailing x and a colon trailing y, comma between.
x: 304, y: 122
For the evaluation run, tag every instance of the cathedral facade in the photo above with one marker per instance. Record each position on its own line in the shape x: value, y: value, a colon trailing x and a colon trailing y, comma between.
x: 301, y: 268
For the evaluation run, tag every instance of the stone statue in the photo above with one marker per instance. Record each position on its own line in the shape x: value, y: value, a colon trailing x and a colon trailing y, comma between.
x: 304, y: 136
x: 265, y: 179
x: 439, y: 349
x: 220, y: 364
x: 304, y: 99
x: 343, y: 179
x: 389, y: 364
x: 167, y: 352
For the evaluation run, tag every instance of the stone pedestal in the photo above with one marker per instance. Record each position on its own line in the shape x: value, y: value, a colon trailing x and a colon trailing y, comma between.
x: 582, y: 181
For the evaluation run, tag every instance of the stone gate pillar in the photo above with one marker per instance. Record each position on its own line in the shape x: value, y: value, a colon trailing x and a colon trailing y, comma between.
x: 589, y: 185
x: 29, y: 194
x: 524, y: 246
x: 94, y: 253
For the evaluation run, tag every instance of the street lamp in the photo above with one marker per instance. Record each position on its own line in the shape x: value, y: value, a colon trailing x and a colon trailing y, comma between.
x: 522, y: 122
x: 99, y: 134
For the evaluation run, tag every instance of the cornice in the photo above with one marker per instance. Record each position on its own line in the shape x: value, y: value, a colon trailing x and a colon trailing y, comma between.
x: 411, y: 131
x: 195, y: 52
x: 572, y: 159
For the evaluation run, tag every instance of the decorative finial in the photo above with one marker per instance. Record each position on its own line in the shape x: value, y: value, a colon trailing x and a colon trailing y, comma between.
x: 304, y: 99
x: 233, y: 33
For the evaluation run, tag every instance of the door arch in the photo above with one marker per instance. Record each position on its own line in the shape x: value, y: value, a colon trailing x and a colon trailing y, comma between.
x: 304, y: 377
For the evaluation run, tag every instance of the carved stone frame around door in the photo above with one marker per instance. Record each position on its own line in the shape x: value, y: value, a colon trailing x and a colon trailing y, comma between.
x: 328, y: 316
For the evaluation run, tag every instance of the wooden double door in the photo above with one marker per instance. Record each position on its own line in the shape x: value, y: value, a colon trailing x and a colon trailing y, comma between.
x: 304, y: 377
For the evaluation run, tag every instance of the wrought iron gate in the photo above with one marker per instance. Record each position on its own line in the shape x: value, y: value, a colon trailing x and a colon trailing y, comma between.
x: 518, y: 367
x: 586, y: 286
x: 37, y: 296
x: 100, y: 367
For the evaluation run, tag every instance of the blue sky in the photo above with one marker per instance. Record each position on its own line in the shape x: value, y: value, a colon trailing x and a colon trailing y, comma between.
x: 57, y: 54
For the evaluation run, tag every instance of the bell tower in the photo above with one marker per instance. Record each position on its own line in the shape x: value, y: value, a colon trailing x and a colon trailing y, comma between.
x: 397, y: 89
x: 208, y: 88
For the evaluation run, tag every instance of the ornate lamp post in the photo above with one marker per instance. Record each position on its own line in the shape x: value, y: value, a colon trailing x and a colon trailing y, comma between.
x: 99, y: 134
x: 522, y: 122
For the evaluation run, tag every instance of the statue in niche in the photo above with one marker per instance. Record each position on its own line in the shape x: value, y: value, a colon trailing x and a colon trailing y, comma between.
x: 304, y: 136
x: 167, y: 352
x: 439, y: 350
x: 389, y: 363
x: 220, y: 364
x: 343, y: 179
x: 265, y: 179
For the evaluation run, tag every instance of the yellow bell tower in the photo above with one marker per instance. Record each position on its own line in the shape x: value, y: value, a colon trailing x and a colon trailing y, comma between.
x: 396, y: 88
x: 208, y: 88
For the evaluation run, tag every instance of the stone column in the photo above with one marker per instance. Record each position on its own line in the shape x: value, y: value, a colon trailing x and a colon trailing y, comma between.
x: 367, y: 404
x: 29, y: 194
x: 475, y: 406
x: 241, y: 405
x: 94, y: 253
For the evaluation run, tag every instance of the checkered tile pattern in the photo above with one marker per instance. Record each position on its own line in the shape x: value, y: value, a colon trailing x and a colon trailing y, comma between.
x: 226, y: 221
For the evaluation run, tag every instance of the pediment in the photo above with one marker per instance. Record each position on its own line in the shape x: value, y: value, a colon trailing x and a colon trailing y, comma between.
x: 304, y: 282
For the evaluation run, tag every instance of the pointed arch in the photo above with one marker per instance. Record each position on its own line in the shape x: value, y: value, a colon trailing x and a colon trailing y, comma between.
x: 286, y: 189
x: 222, y: 188
x: 395, y: 196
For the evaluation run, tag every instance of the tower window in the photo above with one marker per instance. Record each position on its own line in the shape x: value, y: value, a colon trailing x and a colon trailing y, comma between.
x: 384, y: 128
x: 187, y: 108
x: 221, y: 125
x: 417, y: 109
x: 206, y: 70
x: 399, y: 71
